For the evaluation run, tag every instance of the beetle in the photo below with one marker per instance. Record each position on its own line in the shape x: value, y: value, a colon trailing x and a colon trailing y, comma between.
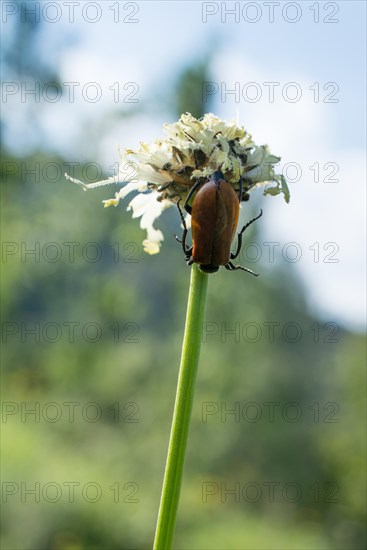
x: 214, y: 218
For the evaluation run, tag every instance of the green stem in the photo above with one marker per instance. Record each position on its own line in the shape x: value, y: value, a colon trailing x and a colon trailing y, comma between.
x: 182, y: 411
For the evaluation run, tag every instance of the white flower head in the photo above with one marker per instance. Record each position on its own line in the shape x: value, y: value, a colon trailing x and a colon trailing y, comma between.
x: 164, y: 171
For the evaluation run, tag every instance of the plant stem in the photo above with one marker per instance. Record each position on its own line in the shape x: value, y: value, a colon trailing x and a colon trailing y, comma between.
x: 182, y: 410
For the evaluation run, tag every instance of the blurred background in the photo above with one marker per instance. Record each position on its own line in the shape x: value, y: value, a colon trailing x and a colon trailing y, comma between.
x: 92, y: 326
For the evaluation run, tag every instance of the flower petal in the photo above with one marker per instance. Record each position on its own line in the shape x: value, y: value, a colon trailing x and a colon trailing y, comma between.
x: 149, y: 209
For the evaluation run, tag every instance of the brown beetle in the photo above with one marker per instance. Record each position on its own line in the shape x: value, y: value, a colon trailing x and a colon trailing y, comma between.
x: 214, y: 218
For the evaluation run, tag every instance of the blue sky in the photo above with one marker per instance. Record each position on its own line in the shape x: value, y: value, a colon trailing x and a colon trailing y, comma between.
x: 329, y: 57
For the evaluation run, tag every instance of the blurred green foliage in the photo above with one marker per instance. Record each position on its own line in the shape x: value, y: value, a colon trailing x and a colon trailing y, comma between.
x: 314, y: 386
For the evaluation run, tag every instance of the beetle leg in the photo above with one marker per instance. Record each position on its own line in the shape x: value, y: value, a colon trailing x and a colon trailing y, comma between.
x: 187, y: 250
x: 239, y: 236
x: 193, y: 189
x: 231, y: 267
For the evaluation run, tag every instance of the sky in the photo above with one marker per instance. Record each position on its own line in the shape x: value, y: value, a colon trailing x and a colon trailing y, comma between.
x: 292, y: 73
